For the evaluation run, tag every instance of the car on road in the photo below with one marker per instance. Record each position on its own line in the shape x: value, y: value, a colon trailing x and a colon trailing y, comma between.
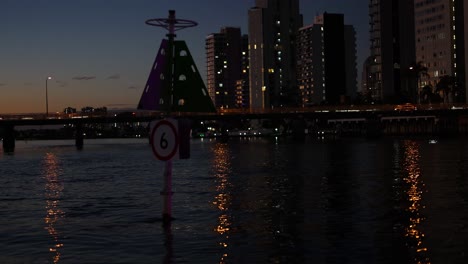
x: 405, y: 107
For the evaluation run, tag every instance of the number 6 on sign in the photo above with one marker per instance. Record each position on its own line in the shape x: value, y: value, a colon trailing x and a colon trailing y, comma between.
x: 164, y: 139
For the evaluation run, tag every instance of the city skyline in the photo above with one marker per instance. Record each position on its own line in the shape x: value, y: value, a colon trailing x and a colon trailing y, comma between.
x: 100, y: 54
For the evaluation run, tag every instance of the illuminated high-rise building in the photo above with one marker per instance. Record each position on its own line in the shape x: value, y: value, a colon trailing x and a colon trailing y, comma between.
x: 224, y: 66
x: 273, y: 26
x: 441, y: 44
x: 326, y: 61
x: 242, y: 91
x: 465, y: 48
x: 392, y: 40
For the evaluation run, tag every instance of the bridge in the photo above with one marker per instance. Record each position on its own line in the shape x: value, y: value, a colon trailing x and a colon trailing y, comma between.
x: 355, y: 120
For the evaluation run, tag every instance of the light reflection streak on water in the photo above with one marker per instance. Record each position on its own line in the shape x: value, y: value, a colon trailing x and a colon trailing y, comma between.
x: 414, y: 191
x: 53, y: 192
x: 222, y: 170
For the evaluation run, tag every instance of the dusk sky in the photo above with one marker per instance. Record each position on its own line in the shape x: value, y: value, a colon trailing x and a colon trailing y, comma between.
x: 99, y: 52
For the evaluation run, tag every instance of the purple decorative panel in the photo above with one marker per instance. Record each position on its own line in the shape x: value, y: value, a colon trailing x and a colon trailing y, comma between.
x: 151, y: 98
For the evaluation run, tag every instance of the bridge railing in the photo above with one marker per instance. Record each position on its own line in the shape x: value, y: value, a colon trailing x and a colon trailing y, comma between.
x: 234, y: 111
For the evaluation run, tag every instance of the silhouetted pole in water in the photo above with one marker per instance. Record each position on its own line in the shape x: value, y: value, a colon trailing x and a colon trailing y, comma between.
x: 79, y: 142
x: 167, y: 191
x: 171, y: 24
x: 8, y: 138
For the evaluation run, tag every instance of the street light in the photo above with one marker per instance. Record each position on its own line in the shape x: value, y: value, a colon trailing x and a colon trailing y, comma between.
x: 46, y: 96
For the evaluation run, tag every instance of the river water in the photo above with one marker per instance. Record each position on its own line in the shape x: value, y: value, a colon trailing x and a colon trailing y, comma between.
x: 245, y: 201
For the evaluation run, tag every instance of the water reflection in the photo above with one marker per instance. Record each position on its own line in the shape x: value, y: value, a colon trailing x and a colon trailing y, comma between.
x: 413, y: 190
x: 53, y: 193
x: 222, y: 200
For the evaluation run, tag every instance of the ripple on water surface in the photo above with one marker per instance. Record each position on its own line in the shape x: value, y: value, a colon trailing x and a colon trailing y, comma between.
x: 244, y: 201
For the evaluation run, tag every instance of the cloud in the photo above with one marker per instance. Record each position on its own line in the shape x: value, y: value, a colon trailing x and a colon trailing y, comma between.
x: 114, y: 77
x: 28, y: 84
x: 84, y: 78
x: 133, y: 88
x: 3, y: 84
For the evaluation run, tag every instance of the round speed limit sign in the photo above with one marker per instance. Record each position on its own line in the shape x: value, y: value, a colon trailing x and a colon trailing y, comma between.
x: 164, y: 139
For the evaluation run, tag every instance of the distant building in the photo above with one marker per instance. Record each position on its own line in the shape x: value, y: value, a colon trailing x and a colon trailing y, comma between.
x: 87, y: 109
x: 350, y: 62
x: 465, y: 47
x: 326, y: 61
x: 392, y: 51
x: 366, y: 77
x: 224, y: 66
x: 90, y: 109
x: 309, y: 49
x: 273, y: 26
x: 243, y: 93
x: 441, y: 44
x: 69, y: 110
